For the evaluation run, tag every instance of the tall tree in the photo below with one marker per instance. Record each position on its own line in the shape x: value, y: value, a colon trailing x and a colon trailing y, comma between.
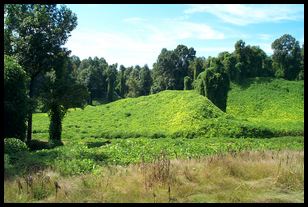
x: 171, y: 67
x: 36, y: 33
x: 184, y: 56
x: 163, y: 76
x: 111, y: 78
x: 196, y: 66
x: 92, y: 73
x: 133, y: 82
x: 286, y: 57
x: 60, y: 92
x: 145, y: 80
x: 121, y: 80
x: 301, y: 72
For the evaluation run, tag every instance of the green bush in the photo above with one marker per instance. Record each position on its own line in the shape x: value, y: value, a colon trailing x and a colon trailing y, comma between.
x: 16, y: 102
x: 13, y: 146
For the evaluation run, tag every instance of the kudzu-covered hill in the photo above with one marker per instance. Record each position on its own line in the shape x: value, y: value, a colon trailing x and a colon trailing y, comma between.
x: 260, y: 108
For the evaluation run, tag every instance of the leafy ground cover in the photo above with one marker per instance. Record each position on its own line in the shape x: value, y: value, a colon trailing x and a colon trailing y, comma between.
x: 263, y: 115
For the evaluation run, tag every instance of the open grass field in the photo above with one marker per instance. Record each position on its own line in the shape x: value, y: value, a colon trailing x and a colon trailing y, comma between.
x: 251, y: 153
x: 250, y: 176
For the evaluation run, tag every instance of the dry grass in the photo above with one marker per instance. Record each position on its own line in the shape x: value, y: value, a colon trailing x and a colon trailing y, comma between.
x: 269, y: 176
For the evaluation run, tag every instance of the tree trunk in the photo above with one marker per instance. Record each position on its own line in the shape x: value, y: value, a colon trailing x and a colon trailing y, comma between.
x: 29, y: 131
x: 55, y: 126
x: 90, y: 99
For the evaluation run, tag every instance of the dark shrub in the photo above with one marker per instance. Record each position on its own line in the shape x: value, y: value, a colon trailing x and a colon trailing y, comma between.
x: 13, y: 146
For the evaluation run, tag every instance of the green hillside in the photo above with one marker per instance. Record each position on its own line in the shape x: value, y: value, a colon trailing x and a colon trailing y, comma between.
x: 163, y: 114
x: 261, y: 108
x: 275, y: 103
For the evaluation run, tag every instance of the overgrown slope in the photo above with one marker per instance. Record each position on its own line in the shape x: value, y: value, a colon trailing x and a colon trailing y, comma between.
x: 261, y: 108
x: 164, y: 114
x: 275, y: 103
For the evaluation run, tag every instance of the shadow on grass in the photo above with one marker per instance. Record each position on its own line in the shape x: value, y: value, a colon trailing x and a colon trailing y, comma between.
x: 97, y: 144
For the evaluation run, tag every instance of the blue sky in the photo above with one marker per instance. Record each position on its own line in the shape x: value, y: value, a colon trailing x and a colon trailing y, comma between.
x: 132, y: 34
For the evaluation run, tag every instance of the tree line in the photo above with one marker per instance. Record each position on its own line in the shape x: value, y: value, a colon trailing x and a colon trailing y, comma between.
x: 39, y: 71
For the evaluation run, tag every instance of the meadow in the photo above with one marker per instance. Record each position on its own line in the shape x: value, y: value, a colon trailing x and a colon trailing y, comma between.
x: 189, y: 149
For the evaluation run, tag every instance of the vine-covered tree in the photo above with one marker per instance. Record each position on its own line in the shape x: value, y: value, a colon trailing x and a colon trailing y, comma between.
x: 187, y: 83
x: 60, y: 92
x: 195, y: 67
x: 214, y: 83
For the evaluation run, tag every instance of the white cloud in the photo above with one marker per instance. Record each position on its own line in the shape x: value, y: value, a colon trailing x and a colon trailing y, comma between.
x: 132, y: 48
x: 239, y: 14
x: 185, y: 29
x: 114, y: 47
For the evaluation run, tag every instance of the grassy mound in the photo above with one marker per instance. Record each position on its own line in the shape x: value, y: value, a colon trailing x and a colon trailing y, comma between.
x: 159, y: 115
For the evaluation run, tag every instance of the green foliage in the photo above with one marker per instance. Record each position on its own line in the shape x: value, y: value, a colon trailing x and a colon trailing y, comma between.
x: 78, y: 157
x: 37, y: 30
x: 195, y: 67
x: 166, y: 112
x: 121, y: 87
x: 182, y: 123
x: 111, y: 78
x: 93, y: 77
x: 75, y: 166
x: 214, y: 84
x: 185, y: 113
x: 267, y: 102
x: 171, y: 67
x: 145, y: 81
x: 36, y: 34
x: 13, y: 146
x: 248, y: 62
x: 61, y: 91
x: 301, y: 72
x: 133, y: 82
x: 286, y: 57
x: 16, y: 102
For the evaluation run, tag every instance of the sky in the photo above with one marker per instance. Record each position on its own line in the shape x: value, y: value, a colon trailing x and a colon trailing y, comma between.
x: 134, y: 34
